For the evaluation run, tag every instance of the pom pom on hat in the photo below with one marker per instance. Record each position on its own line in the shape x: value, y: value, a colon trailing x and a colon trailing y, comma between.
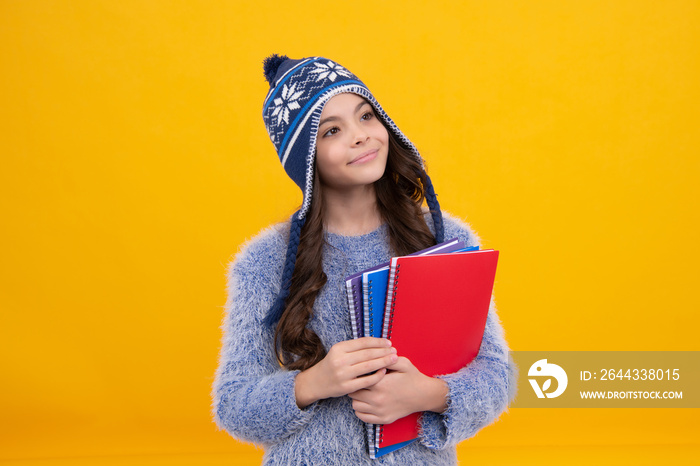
x: 270, y: 66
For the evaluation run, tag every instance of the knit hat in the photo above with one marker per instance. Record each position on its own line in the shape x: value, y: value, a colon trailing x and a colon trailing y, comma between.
x: 299, y: 90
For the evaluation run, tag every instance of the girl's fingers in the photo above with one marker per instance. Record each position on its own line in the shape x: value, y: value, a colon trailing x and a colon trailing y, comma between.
x: 368, y: 413
x: 367, y: 367
x: 367, y: 381
x: 361, y: 396
x: 354, y: 364
x: 371, y: 418
x: 366, y: 342
x: 402, y: 365
x: 361, y: 407
x: 369, y: 354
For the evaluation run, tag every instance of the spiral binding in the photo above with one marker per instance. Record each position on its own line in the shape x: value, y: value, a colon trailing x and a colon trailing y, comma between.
x: 370, y: 307
x: 354, y: 311
x: 393, y: 300
x: 351, y: 290
x: 389, y: 322
x: 369, y: 316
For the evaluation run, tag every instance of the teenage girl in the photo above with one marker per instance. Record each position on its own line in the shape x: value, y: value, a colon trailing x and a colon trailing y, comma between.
x: 290, y: 376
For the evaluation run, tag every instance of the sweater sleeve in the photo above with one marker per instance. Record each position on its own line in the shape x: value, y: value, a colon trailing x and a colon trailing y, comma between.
x: 479, y: 392
x: 253, y: 397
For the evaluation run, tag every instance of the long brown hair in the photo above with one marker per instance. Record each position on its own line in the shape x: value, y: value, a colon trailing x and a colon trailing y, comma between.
x: 400, y: 194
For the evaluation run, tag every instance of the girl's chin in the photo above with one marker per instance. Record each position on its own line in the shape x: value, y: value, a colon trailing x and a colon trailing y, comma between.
x: 355, y: 177
x: 352, y: 185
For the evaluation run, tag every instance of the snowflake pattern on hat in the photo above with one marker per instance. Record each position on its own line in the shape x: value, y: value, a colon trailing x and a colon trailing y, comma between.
x: 286, y: 102
x: 330, y: 70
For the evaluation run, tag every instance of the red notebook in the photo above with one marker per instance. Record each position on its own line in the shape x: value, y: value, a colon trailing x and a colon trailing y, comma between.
x: 435, y: 315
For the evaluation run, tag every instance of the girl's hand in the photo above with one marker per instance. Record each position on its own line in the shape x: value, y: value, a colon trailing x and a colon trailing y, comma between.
x: 344, y: 370
x: 402, y: 391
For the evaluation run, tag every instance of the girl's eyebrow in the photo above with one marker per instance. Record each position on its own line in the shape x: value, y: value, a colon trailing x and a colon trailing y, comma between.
x: 333, y: 118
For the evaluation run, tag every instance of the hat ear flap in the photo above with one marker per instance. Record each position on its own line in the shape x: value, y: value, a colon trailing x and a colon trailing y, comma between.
x: 435, y: 211
x: 277, y: 309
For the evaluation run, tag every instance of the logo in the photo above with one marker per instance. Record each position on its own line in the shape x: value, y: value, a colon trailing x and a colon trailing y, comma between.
x: 542, y: 368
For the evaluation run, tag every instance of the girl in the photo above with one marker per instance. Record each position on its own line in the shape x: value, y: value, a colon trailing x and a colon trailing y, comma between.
x: 290, y: 377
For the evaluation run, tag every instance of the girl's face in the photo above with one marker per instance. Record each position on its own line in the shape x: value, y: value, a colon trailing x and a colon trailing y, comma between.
x: 352, y: 144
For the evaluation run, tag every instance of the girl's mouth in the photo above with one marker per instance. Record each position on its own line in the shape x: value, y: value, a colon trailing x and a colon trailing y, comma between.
x: 365, y: 157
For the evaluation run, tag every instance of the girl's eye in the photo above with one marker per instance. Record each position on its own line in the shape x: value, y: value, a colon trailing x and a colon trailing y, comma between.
x: 331, y: 131
x: 368, y: 116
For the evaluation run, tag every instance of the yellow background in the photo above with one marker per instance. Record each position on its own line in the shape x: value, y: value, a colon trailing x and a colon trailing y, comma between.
x: 134, y: 162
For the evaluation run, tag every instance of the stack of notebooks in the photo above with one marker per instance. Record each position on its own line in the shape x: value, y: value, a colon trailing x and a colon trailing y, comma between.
x: 433, y: 306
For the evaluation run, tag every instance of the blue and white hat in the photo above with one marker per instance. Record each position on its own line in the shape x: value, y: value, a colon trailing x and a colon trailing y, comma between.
x: 299, y: 90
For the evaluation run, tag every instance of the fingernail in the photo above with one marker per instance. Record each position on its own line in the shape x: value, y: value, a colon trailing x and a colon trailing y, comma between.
x: 394, y: 358
x: 393, y: 350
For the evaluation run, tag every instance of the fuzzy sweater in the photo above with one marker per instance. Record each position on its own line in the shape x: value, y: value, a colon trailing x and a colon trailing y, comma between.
x: 253, y: 397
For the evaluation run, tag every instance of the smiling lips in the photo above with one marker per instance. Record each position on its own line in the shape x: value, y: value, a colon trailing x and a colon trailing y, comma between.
x: 364, y: 157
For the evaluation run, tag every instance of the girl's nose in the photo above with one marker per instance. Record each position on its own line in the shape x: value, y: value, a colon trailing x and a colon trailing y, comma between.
x: 361, y: 137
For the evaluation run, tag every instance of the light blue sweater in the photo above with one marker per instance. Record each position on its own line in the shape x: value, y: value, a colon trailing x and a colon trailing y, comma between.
x: 253, y: 397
